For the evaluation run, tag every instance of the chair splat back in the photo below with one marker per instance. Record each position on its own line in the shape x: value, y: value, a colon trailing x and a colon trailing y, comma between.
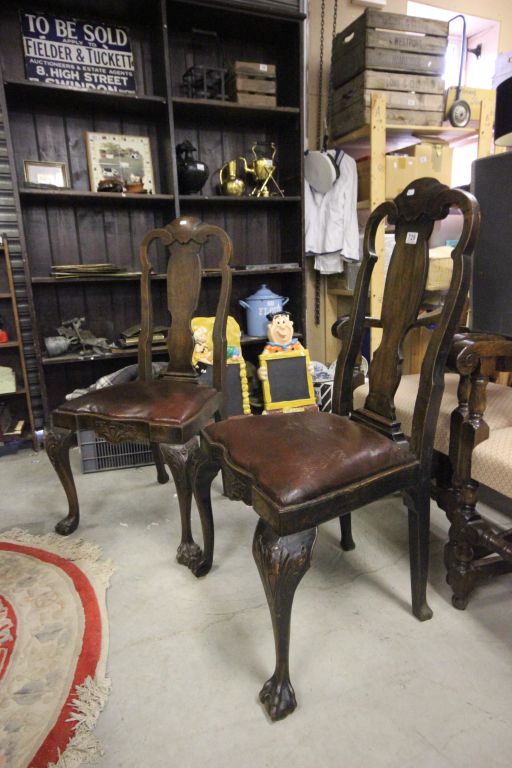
x: 183, y: 239
x: 413, y: 213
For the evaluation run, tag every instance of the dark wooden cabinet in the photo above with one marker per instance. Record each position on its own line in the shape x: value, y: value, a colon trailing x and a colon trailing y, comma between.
x: 76, y: 225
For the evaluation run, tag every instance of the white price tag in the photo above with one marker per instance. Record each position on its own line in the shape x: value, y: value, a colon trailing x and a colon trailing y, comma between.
x: 200, y: 166
x: 411, y: 238
x: 411, y: 192
x: 263, y: 67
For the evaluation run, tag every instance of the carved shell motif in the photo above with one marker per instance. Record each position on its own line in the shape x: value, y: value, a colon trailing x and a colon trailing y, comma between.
x: 113, y: 432
x: 235, y: 488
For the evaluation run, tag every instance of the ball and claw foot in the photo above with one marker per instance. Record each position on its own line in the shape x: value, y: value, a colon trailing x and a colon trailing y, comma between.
x: 278, y: 698
x: 189, y: 554
x: 66, y: 526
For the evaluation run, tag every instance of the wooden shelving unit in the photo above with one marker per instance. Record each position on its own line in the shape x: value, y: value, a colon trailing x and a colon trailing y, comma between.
x: 18, y: 402
x: 376, y: 139
x: 78, y: 225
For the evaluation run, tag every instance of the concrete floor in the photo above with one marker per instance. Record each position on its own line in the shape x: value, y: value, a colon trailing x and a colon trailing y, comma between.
x: 375, y: 687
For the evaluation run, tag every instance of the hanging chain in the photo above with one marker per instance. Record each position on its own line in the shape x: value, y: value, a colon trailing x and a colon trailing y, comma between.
x: 320, y: 78
x: 330, y: 91
x: 322, y: 140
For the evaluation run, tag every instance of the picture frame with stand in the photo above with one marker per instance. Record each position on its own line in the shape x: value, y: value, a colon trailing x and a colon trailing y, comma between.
x: 46, y: 173
x: 120, y: 158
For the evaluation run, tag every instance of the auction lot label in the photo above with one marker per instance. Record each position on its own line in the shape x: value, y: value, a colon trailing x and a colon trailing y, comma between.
x: 78, y: 54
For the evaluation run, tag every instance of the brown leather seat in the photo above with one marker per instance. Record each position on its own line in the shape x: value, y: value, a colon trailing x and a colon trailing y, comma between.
x: 168, y: 412
x: 300, y: 469
x: 165, y: 402
x: 307, y: 454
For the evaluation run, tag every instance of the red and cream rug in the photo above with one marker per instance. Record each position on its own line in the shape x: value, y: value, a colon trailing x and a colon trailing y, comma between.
x: 53, y: 650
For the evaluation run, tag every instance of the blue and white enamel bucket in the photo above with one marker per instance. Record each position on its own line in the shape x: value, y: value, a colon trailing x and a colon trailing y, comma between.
x: 258, y: 306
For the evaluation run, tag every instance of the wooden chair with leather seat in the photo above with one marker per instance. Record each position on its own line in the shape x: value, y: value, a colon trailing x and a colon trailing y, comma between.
x: 298, y: 470
x: 169, y: 411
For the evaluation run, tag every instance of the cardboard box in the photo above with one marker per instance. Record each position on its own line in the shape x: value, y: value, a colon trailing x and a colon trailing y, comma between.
x: 429, y: 158
x: 363, y: 178
x: 434, y: 159
x: 400, y: 171
x: 440, y: 268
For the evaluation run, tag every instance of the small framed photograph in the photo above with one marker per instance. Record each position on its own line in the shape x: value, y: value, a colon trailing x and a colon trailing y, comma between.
x: 45, y: 173
x: 125, y: 160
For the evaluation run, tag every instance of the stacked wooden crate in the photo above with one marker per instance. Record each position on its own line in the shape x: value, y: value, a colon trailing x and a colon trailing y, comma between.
x: 399, y: 55
x: 252, y: 83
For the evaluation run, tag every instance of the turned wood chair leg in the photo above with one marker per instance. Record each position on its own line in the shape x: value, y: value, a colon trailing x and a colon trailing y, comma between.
x: 161, y: 474
x: 418, y: 504
x: 57, y: 443
x: 177, y: 458
x: 347, y: 543
x: 282, y: 562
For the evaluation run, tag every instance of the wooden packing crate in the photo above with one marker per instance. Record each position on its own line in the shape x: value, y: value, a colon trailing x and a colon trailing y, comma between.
x: 252, y: 83
x: 411, y: 91
x: 357, y: 115
x: 392, y: 42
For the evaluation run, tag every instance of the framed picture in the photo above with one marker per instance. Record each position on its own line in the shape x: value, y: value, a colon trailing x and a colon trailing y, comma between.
x: 116, y: 157
x: 289, y: 383
x: 45, y: 173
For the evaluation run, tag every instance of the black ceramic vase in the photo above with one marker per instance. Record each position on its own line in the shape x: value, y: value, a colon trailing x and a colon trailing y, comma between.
x: 192, y: 173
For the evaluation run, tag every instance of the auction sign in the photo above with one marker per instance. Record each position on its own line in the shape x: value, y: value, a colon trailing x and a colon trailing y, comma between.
x: 78, y: 54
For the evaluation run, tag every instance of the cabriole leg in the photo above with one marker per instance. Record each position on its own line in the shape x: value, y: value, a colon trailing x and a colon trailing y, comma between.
x: 282, y: 562
x: 57, y: 443
x: 203, y: 471
x: 177, y: 458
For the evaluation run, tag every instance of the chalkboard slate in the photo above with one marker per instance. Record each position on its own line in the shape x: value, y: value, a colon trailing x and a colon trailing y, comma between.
x: 289, y: 383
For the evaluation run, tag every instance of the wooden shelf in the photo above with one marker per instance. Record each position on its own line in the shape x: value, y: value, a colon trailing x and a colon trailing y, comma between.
x: 211, y: 109
x: 132, y: 352
x: 399, y: 136
x: 263, y: 270
x: 446, y: 132
x: 92, y: 357
x: 26, y: 92
x: 75, y: 196
x: 9, y: 344
x: 243, y: 200
x: 5, y: 295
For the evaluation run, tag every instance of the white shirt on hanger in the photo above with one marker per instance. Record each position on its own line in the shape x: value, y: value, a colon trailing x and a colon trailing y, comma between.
x: 332, y: 231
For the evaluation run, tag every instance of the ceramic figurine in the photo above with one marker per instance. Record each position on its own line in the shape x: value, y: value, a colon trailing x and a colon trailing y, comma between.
x: 203, y: 353
x: 280, y: 338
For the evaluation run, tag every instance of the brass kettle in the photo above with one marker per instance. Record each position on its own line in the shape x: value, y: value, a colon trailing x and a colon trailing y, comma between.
x: 263, y: 169
x: 230, y: 184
